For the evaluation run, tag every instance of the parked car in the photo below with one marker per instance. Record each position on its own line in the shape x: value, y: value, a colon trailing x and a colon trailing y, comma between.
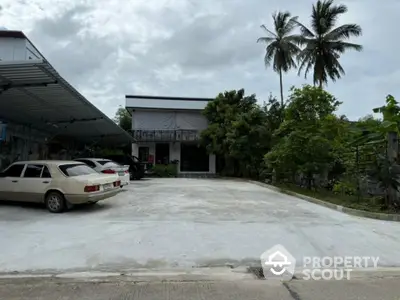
x: 58, y: 184
x: 136, y: 167
x: 108, y: 166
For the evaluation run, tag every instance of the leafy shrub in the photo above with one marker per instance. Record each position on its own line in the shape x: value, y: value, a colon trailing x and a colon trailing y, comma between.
x: 344, y: 188
x: 160, y: 170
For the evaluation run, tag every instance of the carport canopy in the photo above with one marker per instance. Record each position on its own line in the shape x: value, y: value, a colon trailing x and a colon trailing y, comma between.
x: 32, y: 93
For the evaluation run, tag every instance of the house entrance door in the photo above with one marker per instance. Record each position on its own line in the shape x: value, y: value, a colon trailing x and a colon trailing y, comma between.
x: 162, y: 153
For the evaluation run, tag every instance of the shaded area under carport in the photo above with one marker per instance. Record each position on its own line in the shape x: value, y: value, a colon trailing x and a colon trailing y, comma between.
x: 33, y: 94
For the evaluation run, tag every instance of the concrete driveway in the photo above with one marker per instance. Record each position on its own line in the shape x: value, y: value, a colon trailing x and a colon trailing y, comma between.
x: 170, y: 223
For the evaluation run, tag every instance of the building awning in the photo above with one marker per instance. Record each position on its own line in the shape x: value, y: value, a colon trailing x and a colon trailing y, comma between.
x: 32, y: 93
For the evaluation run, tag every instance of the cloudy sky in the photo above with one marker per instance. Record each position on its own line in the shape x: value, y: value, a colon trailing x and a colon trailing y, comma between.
x: 196, y: 48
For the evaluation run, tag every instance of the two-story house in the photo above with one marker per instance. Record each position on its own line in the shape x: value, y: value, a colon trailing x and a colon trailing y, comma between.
x: 168, y: 129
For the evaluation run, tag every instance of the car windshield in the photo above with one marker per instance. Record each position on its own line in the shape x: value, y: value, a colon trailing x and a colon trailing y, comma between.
x: 76, y: 170
x: 105, y: 161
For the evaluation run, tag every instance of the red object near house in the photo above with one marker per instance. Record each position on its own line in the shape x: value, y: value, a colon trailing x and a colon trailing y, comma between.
x: 151, y: 159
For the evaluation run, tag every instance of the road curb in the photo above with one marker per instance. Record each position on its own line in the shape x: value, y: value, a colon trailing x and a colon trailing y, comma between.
x: 350, y: 211
x: 140, y: 275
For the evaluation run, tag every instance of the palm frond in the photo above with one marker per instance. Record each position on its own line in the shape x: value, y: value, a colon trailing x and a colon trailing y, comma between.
x: 269, y: 53
x: 266, y: 39
x: 324, y: 16
x: 323, y: 43
x: 269, y: 31
x: 280, y: 21
x: 315, y: 17
x: 282, y: 47
x: 341, y: 47
x: 305, y: 32
x: 293, y: 48
x: 289, y: 62
x: 332, y: 66
x: 290, y: 25
x: 306, y: 59
x: 296, y: 39
x: 344, y: 32
x: 332, y: 14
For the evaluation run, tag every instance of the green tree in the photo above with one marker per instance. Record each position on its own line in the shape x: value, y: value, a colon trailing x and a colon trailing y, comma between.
x: 248, y: 139
x: 237, y: 132
x: 324, y: 44
x: 274, y: 112
x: 123, y: 119
x: 307, y: 135
x: 282, y: 46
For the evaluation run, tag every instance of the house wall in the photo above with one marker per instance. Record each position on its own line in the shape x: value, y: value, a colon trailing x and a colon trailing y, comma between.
x: 168, y: 120
x: 12, y: 49
x: 174, y: 154
x: 17, y: 49
x: 31, y: 52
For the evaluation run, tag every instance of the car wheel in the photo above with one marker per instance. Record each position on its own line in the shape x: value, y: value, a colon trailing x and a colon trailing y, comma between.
x: 91, y: 203
x: 55, y: 202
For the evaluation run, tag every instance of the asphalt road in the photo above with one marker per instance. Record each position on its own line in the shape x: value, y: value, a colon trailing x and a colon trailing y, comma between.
x: 182, y: 223
x: 124, y: 289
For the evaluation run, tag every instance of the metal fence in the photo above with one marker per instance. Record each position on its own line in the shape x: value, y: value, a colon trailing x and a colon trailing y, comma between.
x: 166, y: 135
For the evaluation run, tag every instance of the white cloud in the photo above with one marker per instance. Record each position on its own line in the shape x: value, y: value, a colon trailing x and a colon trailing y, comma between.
x: 109, y: 48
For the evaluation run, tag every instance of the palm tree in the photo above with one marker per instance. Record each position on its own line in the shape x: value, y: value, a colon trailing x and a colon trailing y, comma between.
x: 282, y: 46
x: 324, y: 44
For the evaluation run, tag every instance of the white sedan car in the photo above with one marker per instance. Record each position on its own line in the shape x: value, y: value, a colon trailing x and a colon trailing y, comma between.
x: 56, y: 183
x: 108, y: 166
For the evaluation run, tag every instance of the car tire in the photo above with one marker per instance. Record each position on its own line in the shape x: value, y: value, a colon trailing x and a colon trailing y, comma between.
x: 55, y: 202
x: 92, y: 203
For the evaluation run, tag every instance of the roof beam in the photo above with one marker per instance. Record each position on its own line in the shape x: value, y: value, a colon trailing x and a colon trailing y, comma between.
x: 102, y: 135
x: 7, y: 86
x: 76, y: 121
x: 28, y: 125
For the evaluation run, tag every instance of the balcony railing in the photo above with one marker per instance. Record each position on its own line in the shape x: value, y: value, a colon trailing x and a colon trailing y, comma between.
x: 166, y: 135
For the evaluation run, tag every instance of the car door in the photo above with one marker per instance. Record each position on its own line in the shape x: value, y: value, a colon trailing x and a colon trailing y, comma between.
x: 34, y: 183
x: 9, y: 181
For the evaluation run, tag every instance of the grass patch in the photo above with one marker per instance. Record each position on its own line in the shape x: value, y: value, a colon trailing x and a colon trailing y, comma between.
x: 370, y: 204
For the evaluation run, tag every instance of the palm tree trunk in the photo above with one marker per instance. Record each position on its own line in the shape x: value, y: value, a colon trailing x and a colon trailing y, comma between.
x: 281, y: 85
x: 320, y: 84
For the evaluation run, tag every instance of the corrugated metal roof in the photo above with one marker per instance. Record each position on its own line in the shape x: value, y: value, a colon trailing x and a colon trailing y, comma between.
x: 33, y: 93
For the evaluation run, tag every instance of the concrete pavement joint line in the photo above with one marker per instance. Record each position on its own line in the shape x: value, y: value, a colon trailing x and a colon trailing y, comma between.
x: 292, y: 293
x: 340, y: 208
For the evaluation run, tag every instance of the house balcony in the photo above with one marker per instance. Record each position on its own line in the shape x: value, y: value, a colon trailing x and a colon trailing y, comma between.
x: 166, y: 135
